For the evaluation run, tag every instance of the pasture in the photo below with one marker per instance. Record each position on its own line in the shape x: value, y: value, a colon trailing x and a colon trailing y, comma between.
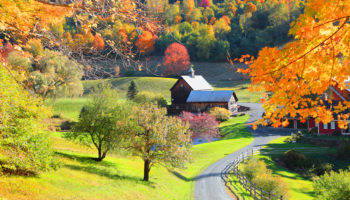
x: 119, y: 176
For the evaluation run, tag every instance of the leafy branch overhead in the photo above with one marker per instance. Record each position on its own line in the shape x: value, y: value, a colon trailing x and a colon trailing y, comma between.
x: 297, y: 74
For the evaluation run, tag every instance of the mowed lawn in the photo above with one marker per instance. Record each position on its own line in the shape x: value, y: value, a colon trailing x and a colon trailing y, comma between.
x: 119, y: 176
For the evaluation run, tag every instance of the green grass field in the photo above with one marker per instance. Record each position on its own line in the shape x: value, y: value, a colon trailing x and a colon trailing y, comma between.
x: 162, y: 86
x: 299, y: 187
x: 119, y: 176
x: 70, y: 107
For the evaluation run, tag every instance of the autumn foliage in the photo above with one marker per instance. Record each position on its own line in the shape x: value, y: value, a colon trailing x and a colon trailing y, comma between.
x: 145, y: 42
x: 204, y: 3
x: 98, y: 43
x: 298, y: 74
x: 176, y: 59
x: 202, y: 125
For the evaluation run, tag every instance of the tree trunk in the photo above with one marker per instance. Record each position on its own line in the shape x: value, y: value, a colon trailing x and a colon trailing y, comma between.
x: 146, y: 170
x: 100, y: 156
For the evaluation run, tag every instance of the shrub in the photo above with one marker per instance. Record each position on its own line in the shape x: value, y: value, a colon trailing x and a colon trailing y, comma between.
x: 67, y: 125
x: 24, y: 148
x: 313, y: 131
x: 288, y: 140
x: 333, y: 185
x: 294, y: 159
x: 221, y: 114
x: 149, y: 97
x: 202, y: 125
x: 272, y: 184
x: 337, y: 133
x: 343, y: 149
x: 319, y: 169
x: 253, y: 168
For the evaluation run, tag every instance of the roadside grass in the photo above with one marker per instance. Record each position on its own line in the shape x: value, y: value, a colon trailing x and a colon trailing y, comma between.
x: 120, y: 176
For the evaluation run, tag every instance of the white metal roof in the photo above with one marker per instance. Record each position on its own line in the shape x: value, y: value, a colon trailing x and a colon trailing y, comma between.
x: 197, y: 82
x: 211, y: 96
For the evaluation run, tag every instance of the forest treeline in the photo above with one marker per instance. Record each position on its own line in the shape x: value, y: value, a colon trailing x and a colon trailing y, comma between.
x: 211, y: 30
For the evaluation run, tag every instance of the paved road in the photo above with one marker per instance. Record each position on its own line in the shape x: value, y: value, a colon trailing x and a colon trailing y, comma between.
x: 209, y: 184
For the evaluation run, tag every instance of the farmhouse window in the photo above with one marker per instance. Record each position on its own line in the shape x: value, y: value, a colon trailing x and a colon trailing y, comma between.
x: 182, y: 85
x: 325, y: 126
x: 332, y: 125
x: 53, y: 1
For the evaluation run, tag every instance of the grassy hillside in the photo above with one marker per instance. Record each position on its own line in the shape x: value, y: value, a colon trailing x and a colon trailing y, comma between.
x: 151, y: 84
x: 119, y: 176
x: 163, y: 85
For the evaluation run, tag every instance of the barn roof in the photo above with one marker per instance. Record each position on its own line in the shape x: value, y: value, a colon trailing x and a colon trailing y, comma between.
x: 197, y: 82
x: 211, y: 96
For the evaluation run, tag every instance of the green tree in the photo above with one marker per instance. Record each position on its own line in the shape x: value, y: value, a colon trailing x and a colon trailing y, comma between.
x: 50, y: 73
x: 172, y: 13
x: 100, y: 123
x: 132, y: 90
x: 24, y: 147
x: 157, y: 138
x: 333, y: 185
x: 196, y: 15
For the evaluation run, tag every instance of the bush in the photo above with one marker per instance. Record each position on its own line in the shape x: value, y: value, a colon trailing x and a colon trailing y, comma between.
x: 221, y: 114
x: 333, y: 185
x: 149, y: 97
x: 343, y: 149
x: 294, y: 159
x: 337, y: 133
x: 67, y: 125
x: 313, y: 131
x: 321, y: 168
x: 257, y: 172
x: 253, y: 168
x: 24, y: 148
x: 272, y: 184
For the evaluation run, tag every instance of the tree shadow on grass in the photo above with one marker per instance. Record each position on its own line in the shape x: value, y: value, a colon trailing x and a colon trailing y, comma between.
x: 180, y: 176
x: 86, y: 159
x: 104, y: 168
x: 190, y: 179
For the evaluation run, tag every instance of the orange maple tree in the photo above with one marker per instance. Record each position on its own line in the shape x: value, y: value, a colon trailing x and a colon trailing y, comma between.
x: 176, y: 59
x: 145, y: 42
x: 297, y: 74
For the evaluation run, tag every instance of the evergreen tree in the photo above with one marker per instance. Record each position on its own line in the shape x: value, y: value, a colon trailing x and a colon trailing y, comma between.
x: 132, y: 90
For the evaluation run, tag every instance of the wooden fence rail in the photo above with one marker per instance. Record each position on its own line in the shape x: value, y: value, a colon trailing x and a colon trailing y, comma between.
x: 256, y: 192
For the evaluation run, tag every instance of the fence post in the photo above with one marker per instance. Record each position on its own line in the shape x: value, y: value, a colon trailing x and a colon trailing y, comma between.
x: 281, y: 197
x: 261, y: 194
x: 251, y: 188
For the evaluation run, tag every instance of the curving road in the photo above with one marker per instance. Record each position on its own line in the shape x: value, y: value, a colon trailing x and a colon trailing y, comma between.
x: 209, y: 184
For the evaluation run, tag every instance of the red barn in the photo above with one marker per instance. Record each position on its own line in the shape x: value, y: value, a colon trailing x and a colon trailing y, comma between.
x: 194, y: 94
